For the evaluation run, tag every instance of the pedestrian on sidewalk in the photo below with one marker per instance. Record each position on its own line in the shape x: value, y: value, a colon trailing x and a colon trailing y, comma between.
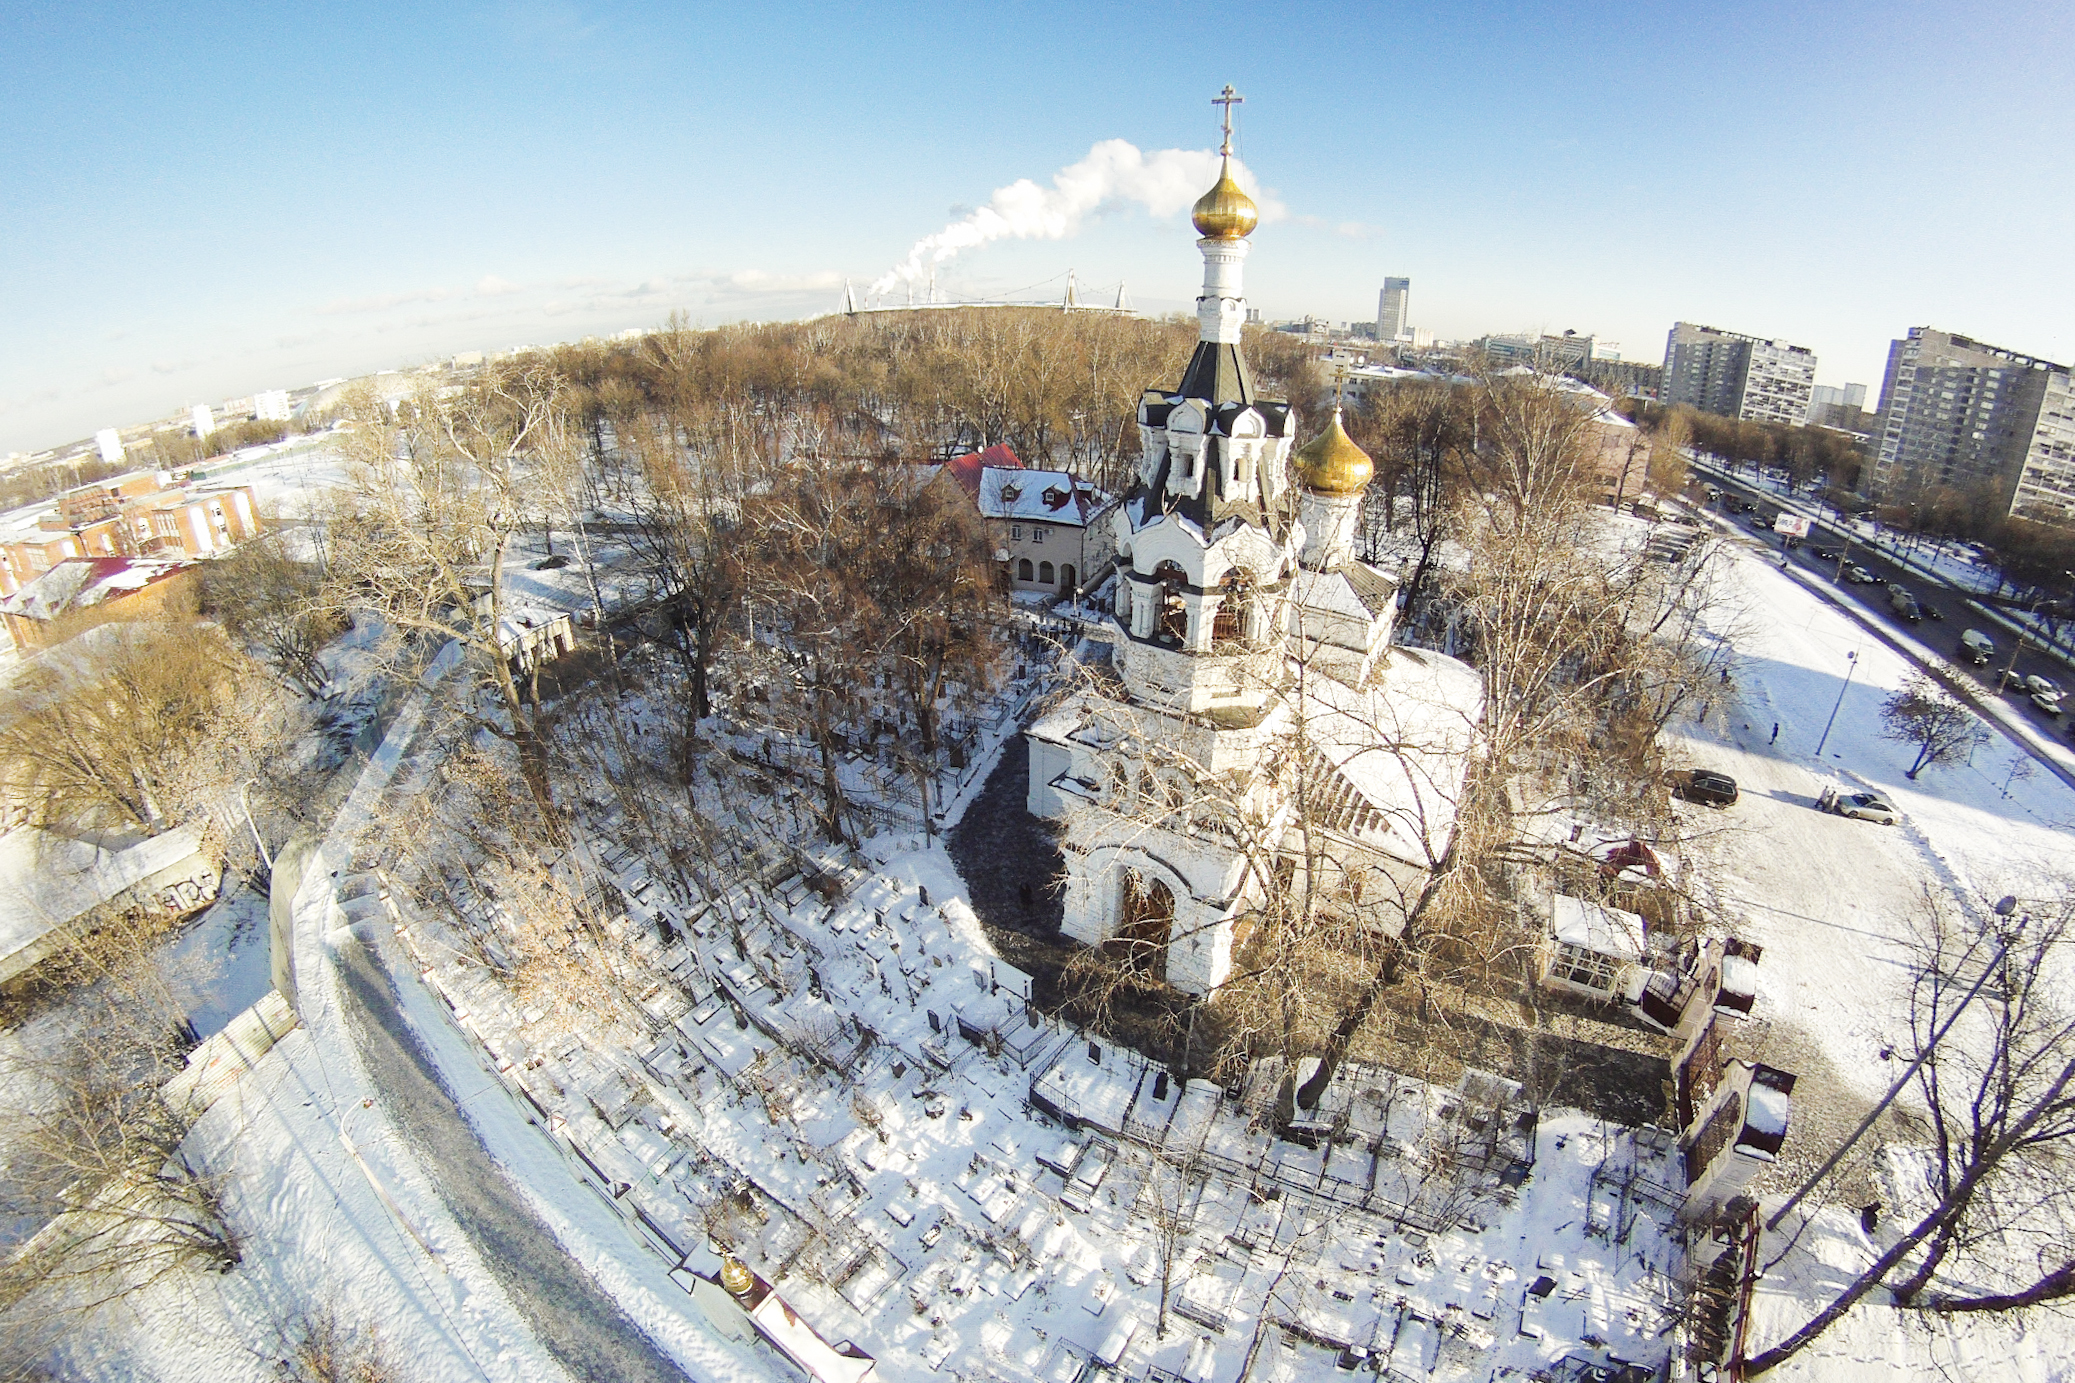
x: 1775, y: 733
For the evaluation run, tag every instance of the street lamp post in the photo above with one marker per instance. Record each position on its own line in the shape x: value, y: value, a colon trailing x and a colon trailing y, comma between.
x: 267, y: 858
x: 1851, y: 666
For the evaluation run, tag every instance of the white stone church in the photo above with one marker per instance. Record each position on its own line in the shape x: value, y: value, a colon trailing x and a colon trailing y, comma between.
x: 1253, y: 666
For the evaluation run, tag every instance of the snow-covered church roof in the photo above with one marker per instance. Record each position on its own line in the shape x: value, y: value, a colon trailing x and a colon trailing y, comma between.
x: 1402, y: 744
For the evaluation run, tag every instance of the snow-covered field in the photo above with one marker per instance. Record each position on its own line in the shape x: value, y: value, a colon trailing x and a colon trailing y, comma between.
x: 982, y: 1238
x: 1835, y: 900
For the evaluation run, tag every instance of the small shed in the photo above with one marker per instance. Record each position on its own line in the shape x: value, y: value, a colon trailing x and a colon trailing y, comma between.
x: 1590, y: 949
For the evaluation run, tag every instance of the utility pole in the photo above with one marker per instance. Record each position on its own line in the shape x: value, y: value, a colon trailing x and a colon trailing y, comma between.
x: 2004, y: 908
x: 2010, y: 672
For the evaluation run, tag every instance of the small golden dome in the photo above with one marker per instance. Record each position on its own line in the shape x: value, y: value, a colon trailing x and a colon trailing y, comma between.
x: 1225, y: 212
x: 736, y: 1276
x: 1331, y: 463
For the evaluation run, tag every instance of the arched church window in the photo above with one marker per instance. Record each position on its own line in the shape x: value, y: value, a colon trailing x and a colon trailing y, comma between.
x: 1023, y: 570
x: 1044, y: 575
x: 1145, y: 921
x: 1235, y: 597
x: 1173, y: 624
x: 1066, y: 577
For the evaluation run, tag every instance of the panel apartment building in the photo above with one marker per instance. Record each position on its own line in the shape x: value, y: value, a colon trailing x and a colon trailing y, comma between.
x: 1737, y: 376
x: 1960, y: 414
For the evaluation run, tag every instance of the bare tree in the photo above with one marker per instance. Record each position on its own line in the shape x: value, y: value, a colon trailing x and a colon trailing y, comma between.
x: 439, y: 489
x: 1995, y: 1227
x: 1170, y: 1184
x: 317, y: 1345
x: 1941, y: 730
x: 269, y: 602
x: 132, y: 726
x: 100, y: 1156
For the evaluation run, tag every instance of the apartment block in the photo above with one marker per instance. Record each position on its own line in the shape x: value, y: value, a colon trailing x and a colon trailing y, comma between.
x: 1958, y: 413
x: 1738, y: 376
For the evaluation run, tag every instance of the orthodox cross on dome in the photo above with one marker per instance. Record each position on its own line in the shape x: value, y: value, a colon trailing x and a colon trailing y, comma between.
x: 1228, y: 99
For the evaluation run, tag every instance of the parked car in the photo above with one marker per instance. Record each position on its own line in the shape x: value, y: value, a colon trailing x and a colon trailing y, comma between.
x: 1865, y: 806
x: 1705, y: 786
x: 1977, y: 647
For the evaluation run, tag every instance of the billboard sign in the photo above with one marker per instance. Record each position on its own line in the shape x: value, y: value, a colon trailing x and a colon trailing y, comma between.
x: 1791, y: 525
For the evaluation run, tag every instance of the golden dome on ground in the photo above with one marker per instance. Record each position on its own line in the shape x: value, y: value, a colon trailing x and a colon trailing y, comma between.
x: 736, y: 1276
x: 1225, y: 212
x: 1331, y: 463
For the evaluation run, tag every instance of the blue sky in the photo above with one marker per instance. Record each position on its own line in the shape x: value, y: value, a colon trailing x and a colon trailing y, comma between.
x: 196, y: 203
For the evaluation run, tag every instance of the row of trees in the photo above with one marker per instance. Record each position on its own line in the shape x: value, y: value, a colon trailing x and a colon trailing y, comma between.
x: 1058, y: 387
x: 1814, y: 457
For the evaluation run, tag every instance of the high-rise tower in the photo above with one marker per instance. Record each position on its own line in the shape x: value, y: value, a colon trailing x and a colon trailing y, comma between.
x: 1392, y: 306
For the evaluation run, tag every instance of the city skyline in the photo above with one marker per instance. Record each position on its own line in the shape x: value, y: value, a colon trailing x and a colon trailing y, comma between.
x: 212, y: 203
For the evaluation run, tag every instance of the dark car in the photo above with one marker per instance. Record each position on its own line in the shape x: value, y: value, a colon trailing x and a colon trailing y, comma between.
x: 1705, y: 786
x: 1824, y: 554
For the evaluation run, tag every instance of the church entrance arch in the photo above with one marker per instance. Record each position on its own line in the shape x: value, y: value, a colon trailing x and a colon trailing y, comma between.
x: 1145, y: 924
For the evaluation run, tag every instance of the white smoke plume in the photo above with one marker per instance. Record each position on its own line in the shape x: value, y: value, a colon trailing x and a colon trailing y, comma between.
x: 1163, y: 182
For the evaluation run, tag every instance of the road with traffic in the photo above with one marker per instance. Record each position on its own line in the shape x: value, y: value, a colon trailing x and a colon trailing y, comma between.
x: 1845, y: 560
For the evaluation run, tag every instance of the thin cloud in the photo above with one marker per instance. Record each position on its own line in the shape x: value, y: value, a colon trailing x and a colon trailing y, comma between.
x: 382, y: 302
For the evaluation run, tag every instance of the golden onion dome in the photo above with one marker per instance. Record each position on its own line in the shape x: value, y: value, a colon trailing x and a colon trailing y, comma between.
x: 1225, y: 212
x: 736, y: 1276
x: 1331, y: 463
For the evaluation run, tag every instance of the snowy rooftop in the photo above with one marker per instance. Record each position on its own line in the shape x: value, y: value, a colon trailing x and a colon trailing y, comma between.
x: 1592, y: 927
x: 47, y: 880
x: 78, y: 583
x: 1401, y: 743
x: 1046, y: 496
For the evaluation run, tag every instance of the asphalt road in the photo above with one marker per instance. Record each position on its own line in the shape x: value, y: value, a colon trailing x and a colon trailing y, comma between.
x: 1941, y: 633
x: 580, y: 1325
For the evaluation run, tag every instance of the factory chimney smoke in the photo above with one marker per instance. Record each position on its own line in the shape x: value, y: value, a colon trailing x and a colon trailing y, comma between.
x: 1114, y: 172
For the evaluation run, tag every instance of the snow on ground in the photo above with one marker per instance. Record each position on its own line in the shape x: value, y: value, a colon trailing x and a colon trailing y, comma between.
x: 961, y: 1228
x: 1875, y: 1343
x: 317, y: 1237
x: 1834, y: 901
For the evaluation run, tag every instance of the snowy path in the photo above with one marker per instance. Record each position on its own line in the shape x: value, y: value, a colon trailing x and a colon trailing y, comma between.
x: 578, y: 1323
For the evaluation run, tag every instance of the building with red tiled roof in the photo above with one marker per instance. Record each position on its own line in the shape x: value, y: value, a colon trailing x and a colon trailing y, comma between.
x: 80, y: 592
x: 1043, y: 522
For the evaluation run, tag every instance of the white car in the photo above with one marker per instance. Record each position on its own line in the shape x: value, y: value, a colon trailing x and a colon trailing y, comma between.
x: 1867, y: 806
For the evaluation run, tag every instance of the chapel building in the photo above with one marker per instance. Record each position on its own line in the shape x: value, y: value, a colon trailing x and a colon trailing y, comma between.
x: 1256, y: 695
